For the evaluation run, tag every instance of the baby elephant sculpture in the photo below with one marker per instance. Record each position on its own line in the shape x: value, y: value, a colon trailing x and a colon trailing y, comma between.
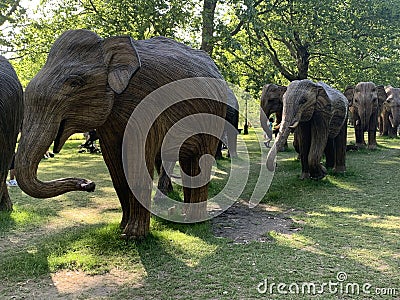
x: 389, y: 117
x: 365, y: 100
x: 94, y: 83
x: 271, y: 102
x: 318, y: 113
x: 11, y: 111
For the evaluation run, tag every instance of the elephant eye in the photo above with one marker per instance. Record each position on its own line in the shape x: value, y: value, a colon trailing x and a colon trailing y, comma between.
x: 75, y: 81
x: 302, y: 101
x: 374, y: 99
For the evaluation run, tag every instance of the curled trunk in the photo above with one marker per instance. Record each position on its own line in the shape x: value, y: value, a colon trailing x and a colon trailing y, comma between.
x: 30, y: 152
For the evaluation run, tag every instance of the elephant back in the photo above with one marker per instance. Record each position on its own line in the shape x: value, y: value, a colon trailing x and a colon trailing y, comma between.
x: 339, y: 109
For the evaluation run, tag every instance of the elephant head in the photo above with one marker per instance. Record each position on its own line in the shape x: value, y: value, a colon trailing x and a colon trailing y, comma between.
x: 301, y: 99
x: 73, y: 92
x: 392, y: 105
x: 271, y: 102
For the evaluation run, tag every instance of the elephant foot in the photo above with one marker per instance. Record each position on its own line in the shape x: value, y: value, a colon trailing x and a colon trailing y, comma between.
x: 339, y: 169
x: 135, y: 231
x: 319, y: 173
x: 232, y: 154
x: 123, y: 223
x: 282, y: 149
x: 5, y: 201
x: 6, y: 204
x: 372, y: 147
x: 305, y: 175
x: 360, y: 145
x: 195, y: 212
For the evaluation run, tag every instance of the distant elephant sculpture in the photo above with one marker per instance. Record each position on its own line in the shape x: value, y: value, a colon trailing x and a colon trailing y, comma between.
x: 89, y: 82
x: 271, y: 102
x: 318, y: 114
x: 364, y: 105
x: 389, y: 117
x: 11, y: 111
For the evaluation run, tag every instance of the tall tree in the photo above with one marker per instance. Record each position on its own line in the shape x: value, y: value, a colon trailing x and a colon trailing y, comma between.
x: 207, y: 32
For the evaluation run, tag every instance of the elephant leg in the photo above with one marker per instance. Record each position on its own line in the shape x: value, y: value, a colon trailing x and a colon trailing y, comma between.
x: 340, y: 150
x: 372, y: 132
x: 112, y: 155
x: 192, y: 193
x: 5, y: 201
x: 232, y: 142
x: 218, y: 153
x: 164, y: 181
x: 392, y: 132
x: 360, y: 142
x: 138, y: 225
x: 303, y: 137
x: 330, y: 153
x: 319, y: 137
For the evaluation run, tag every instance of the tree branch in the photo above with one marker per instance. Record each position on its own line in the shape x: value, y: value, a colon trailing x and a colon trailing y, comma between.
x: 275, y: 58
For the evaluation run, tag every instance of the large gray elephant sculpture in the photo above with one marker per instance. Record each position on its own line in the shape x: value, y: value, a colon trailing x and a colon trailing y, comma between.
x: 389, y: 117
x: 318, y: 114
x: 11, y: 111
x: 89, y: 82
x: 365, y: 100
x: 271, y: 102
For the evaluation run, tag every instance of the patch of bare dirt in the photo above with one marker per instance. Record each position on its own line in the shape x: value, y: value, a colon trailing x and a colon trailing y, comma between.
x: 242, y: 224
x: 67, y: 284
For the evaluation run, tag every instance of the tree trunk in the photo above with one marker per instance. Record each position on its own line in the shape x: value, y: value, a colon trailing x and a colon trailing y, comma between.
x: 207, y: 31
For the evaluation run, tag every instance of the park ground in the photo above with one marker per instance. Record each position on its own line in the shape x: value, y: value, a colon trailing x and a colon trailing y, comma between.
x: 343, y: 230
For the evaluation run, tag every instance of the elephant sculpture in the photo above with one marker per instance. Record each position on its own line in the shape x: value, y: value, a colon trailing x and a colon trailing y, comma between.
x: 365, y: 100
x: 271, y: 102
x: 318, y: 114
x: 11, y: 111
x: 389, y: 117
x: 88, y: 83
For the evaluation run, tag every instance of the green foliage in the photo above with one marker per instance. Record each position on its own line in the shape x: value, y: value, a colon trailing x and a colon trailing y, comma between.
x: 255, y: 42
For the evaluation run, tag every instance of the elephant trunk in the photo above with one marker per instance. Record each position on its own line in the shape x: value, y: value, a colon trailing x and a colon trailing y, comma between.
x: 281, y: 139
x: 265, y: 123
x: 30, y: 151
x: 364, y: 119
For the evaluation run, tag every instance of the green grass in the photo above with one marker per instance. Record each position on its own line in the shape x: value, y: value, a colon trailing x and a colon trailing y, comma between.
x: 349, y: 223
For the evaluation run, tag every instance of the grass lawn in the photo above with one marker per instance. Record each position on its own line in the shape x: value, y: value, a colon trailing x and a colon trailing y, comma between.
x: 69, y: 246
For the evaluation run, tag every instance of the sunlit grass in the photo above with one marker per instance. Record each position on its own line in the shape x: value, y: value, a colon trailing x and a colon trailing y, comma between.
x: 348, y: 223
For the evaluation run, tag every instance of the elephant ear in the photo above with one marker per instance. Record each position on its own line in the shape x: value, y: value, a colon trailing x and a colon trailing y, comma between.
x: 122, y: 61
x: 349, y: 93
x: 323, y: 101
